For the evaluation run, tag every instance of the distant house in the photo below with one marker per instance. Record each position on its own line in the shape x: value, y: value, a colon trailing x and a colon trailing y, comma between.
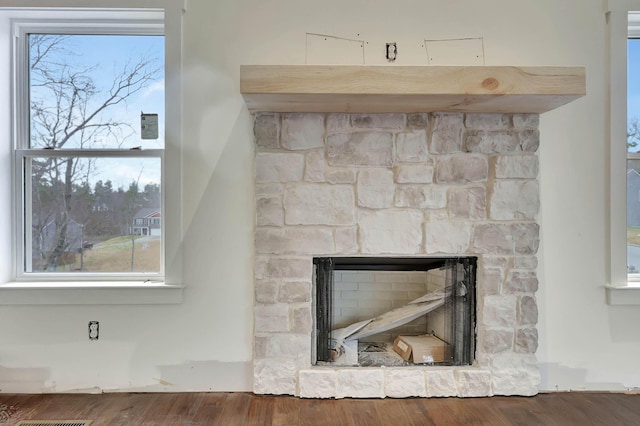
x: 633, y: 198
x: 146, y: 222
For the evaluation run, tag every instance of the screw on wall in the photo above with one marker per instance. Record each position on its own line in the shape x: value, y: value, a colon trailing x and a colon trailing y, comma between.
x: 392, y: 51
x: 94, y: 330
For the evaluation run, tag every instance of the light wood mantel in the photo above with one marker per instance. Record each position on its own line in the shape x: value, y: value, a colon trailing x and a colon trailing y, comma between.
x: 382, y: 89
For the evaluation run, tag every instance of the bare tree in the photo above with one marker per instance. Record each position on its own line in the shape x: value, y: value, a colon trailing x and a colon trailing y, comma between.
x: 69, y: 110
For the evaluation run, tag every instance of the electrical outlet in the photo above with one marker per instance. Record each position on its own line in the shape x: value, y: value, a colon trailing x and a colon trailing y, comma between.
x: 94, y: 330
x: 392, y: 51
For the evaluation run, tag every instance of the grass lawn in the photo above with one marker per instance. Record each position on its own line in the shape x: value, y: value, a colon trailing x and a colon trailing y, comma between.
x: 114, y: 255
x: 633, y: 236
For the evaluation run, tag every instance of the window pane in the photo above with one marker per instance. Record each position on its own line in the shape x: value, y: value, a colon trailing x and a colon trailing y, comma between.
x: 94, y: 214
x: 88, y: 91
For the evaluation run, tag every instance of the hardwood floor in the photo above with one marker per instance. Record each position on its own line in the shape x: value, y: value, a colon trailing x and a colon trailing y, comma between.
x: 576, y: 408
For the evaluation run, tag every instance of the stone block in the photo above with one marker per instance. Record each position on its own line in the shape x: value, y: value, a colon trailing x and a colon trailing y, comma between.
x: 360, y: 383
x: 412, y: 147
x: 269, y: 189
x: 405, y: 383
x: 266, y: 129
x: 362, y: 149
x: 473, y: 383
x: 260, y: 346
x: 340, y: 176
x: 514, y: 200
x: 468, y: 203
x: 526, y: 120
x: 421, y: 196
x: 495, y: 340
x: 302, y: 321
x: 462, y: 168
x: 274, y: 377
x: 515, y: 374
x: 283, y: 267
x: 501, y: 141
x: 417, y: 120
x: 294, y: 292
x: 521, y: 282
x: 447, y: 238
x: 492, y: 280
x: 269, y: 211
x: 378, y: 121
x: 517, y: 167
x: 436, y: 215
x: 486, y: 121
x: 294, y: 241
x: 279, y: 167
x: 526, y: 237
x: 285, y: 345
x: 317, y: 204
x: 525, y: 262
x: 316, y: 165
x: 440, y: 383
x: 496, y: 261
x: 346, y: 240
x: 527, y: 311
x: 390, y: 231
x: 271, y: 318
x: 338, y: 123
x: 499, y: 311
x: 491, y: 238
x: 375, y: 188
x: 317, y: 383
x: 418, y: 173
x: 446, y: 137
x: 266, y: 291
x: 527, y: 340
x: 302, y: 131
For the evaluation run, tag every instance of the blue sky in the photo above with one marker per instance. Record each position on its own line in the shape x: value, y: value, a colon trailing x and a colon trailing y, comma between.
x: 108, y: 56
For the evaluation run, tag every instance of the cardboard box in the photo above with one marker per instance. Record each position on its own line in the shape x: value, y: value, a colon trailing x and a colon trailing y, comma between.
x: 422, y: 349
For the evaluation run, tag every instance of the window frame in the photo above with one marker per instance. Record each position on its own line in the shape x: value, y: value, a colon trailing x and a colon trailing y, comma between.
x: 621, y: 288
x: 104, y: 290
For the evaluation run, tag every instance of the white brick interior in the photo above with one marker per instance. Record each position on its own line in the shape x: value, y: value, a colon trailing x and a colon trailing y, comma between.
x: 440, y: 184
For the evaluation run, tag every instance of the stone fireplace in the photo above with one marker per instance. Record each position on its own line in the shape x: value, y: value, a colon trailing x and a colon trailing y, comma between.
x: 396, y: 185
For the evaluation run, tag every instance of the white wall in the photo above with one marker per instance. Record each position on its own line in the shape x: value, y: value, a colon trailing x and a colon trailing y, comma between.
x: 205, y: 343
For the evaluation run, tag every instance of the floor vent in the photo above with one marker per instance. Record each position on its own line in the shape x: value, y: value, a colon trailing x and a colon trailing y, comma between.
x: 54, y: 423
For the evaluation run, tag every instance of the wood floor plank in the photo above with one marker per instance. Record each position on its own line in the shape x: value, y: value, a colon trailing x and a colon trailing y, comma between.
x: 209, y: 409
x: 192, y: 409
x: 235, y: 409
x: 286, y: 412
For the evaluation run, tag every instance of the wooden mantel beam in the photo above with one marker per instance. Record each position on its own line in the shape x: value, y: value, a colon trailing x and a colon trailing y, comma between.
x: 383, y: 89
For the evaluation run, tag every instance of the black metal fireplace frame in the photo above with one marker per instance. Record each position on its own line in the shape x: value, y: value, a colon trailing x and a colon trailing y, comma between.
x: 461, y: 298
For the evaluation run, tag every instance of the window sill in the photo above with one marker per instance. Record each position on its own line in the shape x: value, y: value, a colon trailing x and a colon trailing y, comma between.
x: 89, y: 293
x: 627, y: 295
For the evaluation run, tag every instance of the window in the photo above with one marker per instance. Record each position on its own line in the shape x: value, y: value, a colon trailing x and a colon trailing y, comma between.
x: 623, y: 286
x: 87, y: 160
x: 633, y: 150
x: 27, y: 277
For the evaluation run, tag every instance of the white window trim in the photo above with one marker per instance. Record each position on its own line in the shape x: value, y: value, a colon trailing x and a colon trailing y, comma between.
x: 620, y: 289
x: 124, y: 292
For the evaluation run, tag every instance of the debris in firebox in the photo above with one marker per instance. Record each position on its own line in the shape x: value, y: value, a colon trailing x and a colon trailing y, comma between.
x: 379, y: 353
x: 425, y: 349
x: 344, y: 340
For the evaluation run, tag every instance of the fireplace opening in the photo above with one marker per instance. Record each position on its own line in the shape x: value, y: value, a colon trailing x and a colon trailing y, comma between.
x: 392, y: 311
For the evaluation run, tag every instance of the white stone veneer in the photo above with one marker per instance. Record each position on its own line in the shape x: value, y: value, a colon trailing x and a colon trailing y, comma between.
x: 440, y: 184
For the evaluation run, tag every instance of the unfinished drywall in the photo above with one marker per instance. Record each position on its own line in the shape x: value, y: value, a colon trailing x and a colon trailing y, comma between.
x: 160, y: 347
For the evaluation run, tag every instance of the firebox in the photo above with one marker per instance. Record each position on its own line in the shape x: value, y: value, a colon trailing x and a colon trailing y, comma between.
x: 394, y: 311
